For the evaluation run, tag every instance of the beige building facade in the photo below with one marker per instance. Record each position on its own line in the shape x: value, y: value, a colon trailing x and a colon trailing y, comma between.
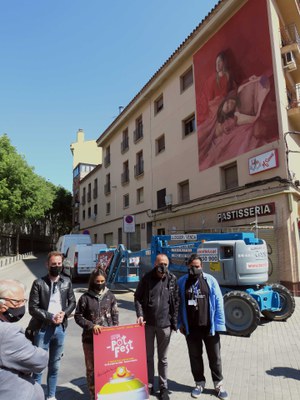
x: 211, y: 143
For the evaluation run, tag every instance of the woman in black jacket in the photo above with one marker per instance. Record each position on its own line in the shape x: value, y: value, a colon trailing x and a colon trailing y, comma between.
x: 96, y: 308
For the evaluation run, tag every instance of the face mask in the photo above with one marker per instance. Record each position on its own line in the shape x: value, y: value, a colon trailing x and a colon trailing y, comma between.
x: 14, y: 314
x: 195, y: 271
x: 162, y: 269
x: 55, y: 271
x: 98, y: 286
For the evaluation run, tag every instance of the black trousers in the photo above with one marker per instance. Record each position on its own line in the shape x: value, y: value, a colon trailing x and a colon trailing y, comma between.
x: 197, y: 336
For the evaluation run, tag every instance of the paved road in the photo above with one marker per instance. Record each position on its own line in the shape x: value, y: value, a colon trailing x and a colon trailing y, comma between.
x: 265, y: 366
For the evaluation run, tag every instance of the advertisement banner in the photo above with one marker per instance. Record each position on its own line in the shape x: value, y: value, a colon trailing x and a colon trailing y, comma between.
x: 120, y: 363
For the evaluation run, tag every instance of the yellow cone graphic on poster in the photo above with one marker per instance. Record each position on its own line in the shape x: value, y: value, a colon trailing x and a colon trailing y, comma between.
x: 123, y: 385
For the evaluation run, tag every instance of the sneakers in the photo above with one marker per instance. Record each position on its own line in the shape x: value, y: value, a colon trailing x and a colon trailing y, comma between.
x: 221, y: 393
x: 51, y: 398
x: 197, y: 391
x: 164, y: 394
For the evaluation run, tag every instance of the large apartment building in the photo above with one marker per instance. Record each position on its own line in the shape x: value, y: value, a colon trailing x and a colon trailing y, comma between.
x: 211, y: 143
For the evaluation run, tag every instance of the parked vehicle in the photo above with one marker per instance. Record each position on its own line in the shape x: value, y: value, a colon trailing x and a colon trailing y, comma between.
x: 82, y: 259
x: 65, y: 241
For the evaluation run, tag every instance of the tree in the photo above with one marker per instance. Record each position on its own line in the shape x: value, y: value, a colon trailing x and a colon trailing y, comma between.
x: 60, y: 214
x: 24, y: 196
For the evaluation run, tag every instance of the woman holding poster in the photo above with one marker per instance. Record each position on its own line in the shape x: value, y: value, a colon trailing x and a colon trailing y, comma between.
x: 95, y: 309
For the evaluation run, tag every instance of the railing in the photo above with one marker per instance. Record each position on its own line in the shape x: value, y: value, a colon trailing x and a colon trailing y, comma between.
x: 293, y: 96
x: 138, y: 133
x: 139, y: 169
x: 125, y: 177
x: 107, y: 188
x: 106, y: 160
x: 124, y: 145
x: 95, y: 192
x: 289, y: 35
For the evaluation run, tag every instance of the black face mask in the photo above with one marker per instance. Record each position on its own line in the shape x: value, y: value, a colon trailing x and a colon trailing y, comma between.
x: 162, y: 269
x: 14, y: 314
x: 193, y: 271
x: 98, y: 286
x: 55, y: 271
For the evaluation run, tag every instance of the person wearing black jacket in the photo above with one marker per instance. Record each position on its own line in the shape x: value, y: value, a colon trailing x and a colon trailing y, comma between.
x: 96, y: 308
x: 51, y: 302
x: 156, y: 303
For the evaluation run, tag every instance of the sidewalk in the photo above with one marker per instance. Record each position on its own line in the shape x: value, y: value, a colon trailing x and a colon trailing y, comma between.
x: 265, y: 366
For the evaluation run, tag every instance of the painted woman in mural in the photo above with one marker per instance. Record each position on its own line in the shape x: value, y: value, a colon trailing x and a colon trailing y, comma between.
x: 235, y: 91
x: 216, y: 87
x: 236, y: 125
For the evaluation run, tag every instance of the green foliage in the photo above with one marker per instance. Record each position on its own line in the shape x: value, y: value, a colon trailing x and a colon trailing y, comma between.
x: 24, y: 196
x: 60, y: 213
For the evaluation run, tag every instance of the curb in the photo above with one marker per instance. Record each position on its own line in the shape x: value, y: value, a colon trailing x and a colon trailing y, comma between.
x: 4, y: 261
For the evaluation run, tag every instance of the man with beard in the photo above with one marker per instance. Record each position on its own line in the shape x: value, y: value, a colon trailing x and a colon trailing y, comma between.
x: 201, y: 318
x: 51, y: 302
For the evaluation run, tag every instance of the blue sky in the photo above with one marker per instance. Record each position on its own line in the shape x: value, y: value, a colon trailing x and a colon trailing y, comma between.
x: 70, y: 64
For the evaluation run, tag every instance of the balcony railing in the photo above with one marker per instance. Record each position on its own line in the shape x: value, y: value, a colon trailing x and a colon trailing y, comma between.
x: 107, y: 188
x: 289, y: 35
x: 293, y: 96
x: 106, y: 160
x: 125, y: 177
x: 89, y: 197
x: 139, y: 168
x: 95, y: 193
x: 138, y: 133
x: 124, y: 145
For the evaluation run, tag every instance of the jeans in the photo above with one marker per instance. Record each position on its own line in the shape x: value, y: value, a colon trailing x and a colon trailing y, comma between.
x: 163, y: 336
x: 52, y: 339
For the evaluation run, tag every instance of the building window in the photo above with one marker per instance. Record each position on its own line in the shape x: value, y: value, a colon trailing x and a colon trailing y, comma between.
x: 107, y: 157
x: 161, y: 198
x: 139, y: 167
x: 89, y: 193
x: 138, y: 133
x: 126, y: 200
x: 89, y: 212
x: 229, y: 176
x: 158, y: 104
x: 125, y: 141
x: 186, y: 80
x: 140, y: 195
x: 83, y: 214
x: 107, y: 186
x: 125, y: 173
x: 95, y: 237
x: 95, y: 189
x: 83, y: 198
x: 183, y: 191
x: 160, y: 144
x: 188, y: 125
x: 107, y: 208
x: 120, y: 238
x: 95, y: 209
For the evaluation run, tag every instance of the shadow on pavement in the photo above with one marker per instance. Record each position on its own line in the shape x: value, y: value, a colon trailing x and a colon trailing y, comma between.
x: 286, y: 372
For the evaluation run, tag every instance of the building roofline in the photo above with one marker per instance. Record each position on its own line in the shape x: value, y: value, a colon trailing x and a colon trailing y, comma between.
x: 102, y: 138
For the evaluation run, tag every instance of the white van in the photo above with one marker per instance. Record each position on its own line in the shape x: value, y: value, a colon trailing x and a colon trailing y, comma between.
x: 65, y: 241
x: 82, y: 259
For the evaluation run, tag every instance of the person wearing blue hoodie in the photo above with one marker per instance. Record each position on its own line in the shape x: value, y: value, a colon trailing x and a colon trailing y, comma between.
x: 201, y: 317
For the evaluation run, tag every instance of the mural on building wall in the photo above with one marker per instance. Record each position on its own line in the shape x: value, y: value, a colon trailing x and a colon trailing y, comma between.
x: 235, y: 95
